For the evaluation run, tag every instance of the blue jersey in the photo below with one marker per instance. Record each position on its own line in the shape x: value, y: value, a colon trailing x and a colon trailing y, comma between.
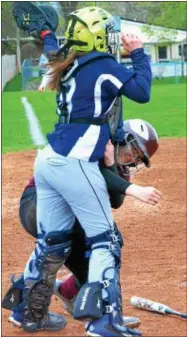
x: 91, y: 87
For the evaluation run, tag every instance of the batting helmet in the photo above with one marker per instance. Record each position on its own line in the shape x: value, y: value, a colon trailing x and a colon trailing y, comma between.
x: 140, y: 143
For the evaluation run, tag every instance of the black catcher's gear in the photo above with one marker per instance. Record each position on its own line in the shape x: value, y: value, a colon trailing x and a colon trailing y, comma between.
x: 51, y: 15
x: 27, y: 211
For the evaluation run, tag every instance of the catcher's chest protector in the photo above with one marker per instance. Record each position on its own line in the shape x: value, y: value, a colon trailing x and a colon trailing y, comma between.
x: 112, y: 116
x: 87, y: 94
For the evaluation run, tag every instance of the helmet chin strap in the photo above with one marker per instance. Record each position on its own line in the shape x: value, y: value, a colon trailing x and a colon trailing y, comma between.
x: 65, y: 48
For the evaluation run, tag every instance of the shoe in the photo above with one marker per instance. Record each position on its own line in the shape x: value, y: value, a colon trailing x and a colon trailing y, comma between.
x: 103, y: 328
x: 51, y: 322
x: 16, y: 319
x: 131, y: 322
x: 67, y: 303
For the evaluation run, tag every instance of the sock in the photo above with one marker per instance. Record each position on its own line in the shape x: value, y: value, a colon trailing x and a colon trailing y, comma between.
x: 69, y: 288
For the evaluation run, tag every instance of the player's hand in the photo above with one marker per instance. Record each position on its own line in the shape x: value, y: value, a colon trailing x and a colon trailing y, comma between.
x: 41, y: 88
x: 130, y: 42
x: 148, y: 194
x: 109, y: 154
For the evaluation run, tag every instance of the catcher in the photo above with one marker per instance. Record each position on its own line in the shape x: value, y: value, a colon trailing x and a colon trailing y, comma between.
x: 69, y: 163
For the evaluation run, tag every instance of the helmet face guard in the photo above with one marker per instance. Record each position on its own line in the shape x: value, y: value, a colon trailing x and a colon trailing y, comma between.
x: 112, y: 36
x: 132, y: 154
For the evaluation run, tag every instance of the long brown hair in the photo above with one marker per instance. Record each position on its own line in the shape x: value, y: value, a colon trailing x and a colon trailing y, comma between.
x: 57, y: 67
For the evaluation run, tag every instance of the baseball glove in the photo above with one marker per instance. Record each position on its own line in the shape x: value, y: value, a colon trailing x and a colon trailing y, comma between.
x: 33, y: 19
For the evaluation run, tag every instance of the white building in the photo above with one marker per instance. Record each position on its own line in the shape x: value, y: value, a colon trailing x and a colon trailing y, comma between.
x: 163, y: 46
x: 158, y: 53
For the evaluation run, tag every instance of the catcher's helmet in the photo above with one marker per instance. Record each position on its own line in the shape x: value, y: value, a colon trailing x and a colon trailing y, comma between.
x: 89, y: 28
x: 140, y: 143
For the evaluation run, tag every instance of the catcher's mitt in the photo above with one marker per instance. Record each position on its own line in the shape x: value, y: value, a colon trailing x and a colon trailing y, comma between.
x: 51, y: 15
x: 33, y: 19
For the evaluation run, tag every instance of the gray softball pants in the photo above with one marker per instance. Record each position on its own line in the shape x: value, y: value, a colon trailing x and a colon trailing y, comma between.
x: 69, y: 187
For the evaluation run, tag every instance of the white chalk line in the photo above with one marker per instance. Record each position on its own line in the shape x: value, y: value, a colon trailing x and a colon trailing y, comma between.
x: 37, y: 136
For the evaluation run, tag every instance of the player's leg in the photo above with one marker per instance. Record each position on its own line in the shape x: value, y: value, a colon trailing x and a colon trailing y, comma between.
x: 77, y: 262
x: 92, y: 208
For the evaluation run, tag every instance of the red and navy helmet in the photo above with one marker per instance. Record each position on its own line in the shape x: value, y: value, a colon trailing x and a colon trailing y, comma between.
x: 139, y: 145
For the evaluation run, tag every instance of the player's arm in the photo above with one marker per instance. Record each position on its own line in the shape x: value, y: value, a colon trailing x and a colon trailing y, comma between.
x: 118, y: 186
x: 134, y: 83
x: 114, y: 186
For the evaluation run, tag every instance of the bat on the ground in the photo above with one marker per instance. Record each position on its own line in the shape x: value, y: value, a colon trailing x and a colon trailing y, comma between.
x: 146, y: 304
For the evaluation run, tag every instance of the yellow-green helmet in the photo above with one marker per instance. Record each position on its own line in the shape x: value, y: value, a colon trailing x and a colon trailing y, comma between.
x: 87, y: 29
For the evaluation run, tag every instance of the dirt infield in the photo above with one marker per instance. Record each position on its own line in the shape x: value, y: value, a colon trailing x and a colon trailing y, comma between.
x: 154, y: 256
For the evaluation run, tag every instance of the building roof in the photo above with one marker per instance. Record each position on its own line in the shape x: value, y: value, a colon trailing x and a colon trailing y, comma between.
x: 136, y: 28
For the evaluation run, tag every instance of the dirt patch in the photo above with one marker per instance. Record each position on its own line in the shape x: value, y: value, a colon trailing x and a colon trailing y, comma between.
x: 154, y: 256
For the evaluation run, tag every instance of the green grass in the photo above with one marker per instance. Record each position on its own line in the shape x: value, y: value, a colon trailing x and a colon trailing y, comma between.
x: 44, y: 105
x: 166, y: 112
x: 169, y: 80
x: 15, y: 130
x: 15, y: 135
x: 15, y: 84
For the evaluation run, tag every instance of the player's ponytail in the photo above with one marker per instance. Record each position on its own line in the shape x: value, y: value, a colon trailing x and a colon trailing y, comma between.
x: 58, y: 66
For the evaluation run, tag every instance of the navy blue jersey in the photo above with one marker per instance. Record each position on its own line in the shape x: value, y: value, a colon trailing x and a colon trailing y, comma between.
x: 91, y: 87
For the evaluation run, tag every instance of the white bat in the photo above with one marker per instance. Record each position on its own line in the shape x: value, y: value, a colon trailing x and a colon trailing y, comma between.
x: 149, y: 305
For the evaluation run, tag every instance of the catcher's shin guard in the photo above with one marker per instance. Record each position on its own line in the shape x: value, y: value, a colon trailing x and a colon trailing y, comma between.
x: 111, y: 322
x: 102, y: 301
x: 89, y: 302
x: 38, y: 292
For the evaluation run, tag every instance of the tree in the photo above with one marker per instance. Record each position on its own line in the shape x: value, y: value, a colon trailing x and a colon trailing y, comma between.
x: 172, y: 15
x: 164, y: 13
x: 167, y: 15
x: 68, y: 7
x: 7, y: 21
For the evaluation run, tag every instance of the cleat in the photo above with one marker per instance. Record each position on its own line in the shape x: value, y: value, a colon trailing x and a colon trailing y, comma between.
x: 16, y: 319
x: 51, y: 322
x: 103, y: 328
x: 66, y: 303
x: 131, y: 322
